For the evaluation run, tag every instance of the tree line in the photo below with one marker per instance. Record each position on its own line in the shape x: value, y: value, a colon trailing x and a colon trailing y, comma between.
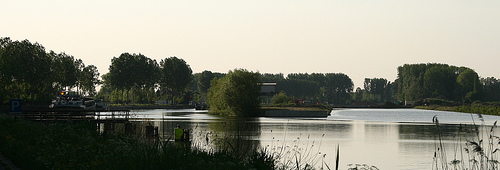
x: 28, y: 72
x: 137, y: 79
x: 433, y: 80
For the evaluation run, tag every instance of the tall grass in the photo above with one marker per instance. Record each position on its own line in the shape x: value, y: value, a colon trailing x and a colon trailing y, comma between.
x: 301, y: 153
x: 32, y: 145
x: 476, y: 147
x: 229, y: 137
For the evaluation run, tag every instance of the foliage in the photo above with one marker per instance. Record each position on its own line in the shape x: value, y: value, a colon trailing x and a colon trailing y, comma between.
x: 375, y: 90
x: 133, y: 70
x: 133, y: 79
x: 332, y: 88
x: 21, y: 65
x: 439, y: 81
x: 470, y: 86
x: 491, y: 89
x: 29, y: 73
x: 280, y: 98
x: 79, y: 146
x: 176, y: 74
x: 235, y: 94
x: 299, y: 88
x: 88, y: 79
x: 204, y: 81
x: 267, y: 77
x: 484, y: 108
x: 68, y: 69
x: 418, y: 81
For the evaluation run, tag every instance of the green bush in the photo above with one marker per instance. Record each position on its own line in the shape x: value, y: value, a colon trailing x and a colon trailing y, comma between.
x: 236, y: 94
x: 280, y: 98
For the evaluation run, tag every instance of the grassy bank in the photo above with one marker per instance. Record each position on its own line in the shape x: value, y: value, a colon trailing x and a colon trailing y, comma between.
x: 32, y: 145
x: 291, y: 106
x: 474, y: 108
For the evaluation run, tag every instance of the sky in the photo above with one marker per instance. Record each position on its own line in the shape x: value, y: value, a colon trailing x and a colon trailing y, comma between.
x: 360, y: 38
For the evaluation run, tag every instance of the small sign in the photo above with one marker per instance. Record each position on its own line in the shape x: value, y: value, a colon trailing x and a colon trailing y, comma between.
x: 15, y: 107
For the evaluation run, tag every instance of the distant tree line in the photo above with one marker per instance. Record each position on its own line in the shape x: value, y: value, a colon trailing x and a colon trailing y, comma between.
x: 332, y: 88
x: 376, y: 90
x: 30, y: 73
x: 420, y: 81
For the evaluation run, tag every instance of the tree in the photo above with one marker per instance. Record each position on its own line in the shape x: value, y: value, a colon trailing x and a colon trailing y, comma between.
x: 133, y: 70
x: 376, y: 89
x: 25, y: 71
x: 470, y: 86
x: 338, y: 87
x: 267, y: 77
x: 281, y: 98
x: 299, y: 88
x: 66, y: 69
x: 176, y: 75
x: 204, y: 81
x: 235, y: 94
x: 88, y: 79
x: 439, y: 81
x: 491, y: 89
x: 418, y: 81
x: 357, y: 96
x: 4, y: 80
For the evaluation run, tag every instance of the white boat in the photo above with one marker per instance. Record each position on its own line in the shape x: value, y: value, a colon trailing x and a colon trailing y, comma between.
x: 71, y: 100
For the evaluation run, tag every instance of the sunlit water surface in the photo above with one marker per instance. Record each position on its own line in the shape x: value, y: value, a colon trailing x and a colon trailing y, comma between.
x: 385, y: 138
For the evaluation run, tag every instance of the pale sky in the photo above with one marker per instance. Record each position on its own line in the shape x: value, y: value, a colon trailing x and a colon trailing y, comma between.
x: 360, y: 38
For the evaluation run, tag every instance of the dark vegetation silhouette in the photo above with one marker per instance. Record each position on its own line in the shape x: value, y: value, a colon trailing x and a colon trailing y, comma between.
x: 30, y: 73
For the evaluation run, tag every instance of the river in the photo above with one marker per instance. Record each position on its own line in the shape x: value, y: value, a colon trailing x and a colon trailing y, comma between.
x: 384, y: 138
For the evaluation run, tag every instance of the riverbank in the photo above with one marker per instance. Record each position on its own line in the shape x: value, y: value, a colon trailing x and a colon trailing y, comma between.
x: 148, y: 106
x: 473, y: 108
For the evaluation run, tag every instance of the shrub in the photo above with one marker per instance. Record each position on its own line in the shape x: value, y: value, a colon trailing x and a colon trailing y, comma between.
x: 281, y: 98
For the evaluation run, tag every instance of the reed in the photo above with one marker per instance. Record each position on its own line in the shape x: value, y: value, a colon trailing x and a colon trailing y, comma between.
x: 476, y: 147
x: 32, y: 145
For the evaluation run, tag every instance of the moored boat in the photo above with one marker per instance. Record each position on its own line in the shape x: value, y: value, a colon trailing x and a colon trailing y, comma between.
x: 71, y: 100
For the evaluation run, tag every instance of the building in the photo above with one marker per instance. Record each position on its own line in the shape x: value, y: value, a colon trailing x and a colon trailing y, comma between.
x: 267, y: 91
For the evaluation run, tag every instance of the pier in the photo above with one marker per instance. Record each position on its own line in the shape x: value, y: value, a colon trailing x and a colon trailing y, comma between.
x: 57, y: 115
x: 106, y: 118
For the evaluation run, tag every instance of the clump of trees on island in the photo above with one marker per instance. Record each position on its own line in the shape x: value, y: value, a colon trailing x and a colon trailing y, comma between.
x: 28, y: 72
x: 237, y: 93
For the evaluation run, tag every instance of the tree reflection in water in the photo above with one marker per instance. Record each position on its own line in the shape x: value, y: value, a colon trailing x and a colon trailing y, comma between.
x: 235, y: 135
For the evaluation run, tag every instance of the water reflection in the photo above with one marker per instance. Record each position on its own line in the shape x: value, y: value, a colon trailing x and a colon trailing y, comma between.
x: 376, y: 138
x: 237, y: 135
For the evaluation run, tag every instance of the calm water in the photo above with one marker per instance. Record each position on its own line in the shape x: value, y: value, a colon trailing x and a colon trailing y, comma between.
x: 385, y: 138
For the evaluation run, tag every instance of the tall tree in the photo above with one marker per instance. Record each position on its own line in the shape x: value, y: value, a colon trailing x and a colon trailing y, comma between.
x: 66, y: 69
x: 26, y: 71
x: 491, y: 89
x: 89, y: 78
x: 268, y: 77
x: 439, y: 81
x: 338, y: 86
x: 418, y: 81
x: 377, y: 88
x: 299, y: 88
x: 470, y: 86
x: 133, y: 70
x: 176, y: 75
x: 204, y: 81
